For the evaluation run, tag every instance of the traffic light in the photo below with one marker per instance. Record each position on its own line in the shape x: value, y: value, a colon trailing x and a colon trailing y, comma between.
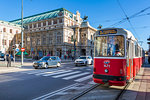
x: 13, y: 47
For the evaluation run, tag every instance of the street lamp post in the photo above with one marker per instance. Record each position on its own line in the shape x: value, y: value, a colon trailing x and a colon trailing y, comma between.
x: 22, y: 32
x: 74, y: 40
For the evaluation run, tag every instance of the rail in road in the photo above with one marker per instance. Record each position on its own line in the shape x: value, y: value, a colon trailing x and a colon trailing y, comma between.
x: 84, y: 95
x: 85, y: 91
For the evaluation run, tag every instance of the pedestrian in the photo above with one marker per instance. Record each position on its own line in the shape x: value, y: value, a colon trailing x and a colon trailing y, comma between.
x: 8, y: 58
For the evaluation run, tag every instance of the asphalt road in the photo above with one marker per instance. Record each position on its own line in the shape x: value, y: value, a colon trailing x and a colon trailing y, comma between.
x: 32, y: 84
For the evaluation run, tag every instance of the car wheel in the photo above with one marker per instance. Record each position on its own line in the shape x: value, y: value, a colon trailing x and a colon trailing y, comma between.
x: 86, y: 63
x: 45, y: 66
x: 58, y: 64
x: 91, y: 62
x: 76, y: 64
x: 35, y: 67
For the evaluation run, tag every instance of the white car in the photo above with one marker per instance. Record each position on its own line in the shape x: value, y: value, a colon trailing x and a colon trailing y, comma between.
x: 84, y: 60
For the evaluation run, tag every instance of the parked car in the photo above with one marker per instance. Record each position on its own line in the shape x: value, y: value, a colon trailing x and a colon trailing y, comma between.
x: 2, y: 56
x: 84, y: 60
x: 47, y: 61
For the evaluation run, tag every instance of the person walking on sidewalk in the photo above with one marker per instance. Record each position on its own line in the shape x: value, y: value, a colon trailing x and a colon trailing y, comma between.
x: 8, y: 58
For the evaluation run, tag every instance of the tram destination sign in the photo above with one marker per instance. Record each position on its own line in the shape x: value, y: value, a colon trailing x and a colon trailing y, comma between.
x: 103, y: 32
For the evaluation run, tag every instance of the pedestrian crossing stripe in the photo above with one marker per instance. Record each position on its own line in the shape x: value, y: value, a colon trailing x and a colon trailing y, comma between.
x: 66, y: 74
x: 57, y: 73
x: 71, y: 77
x: 79, y: 76
x: 84, y: 78
x: 50, y: 72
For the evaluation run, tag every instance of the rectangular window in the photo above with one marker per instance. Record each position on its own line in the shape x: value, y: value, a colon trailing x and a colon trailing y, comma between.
x: 55, y: 21
x: 38, y: 41
x: 58, y: 39
x: 30, y: 25
x: 5, y: 42
x: 34, y: 25
x: 60, y: 20
x: 10, y: 30
x: 44, y: 23
x: 50, y: 40
x: 44, y: 40
x: 4, y: 29
x: 111, y: 46
x: 39, y: 24
x: 49, y: 22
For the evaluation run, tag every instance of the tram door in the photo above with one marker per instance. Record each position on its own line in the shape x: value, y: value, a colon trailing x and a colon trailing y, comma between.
x: 129, y: 60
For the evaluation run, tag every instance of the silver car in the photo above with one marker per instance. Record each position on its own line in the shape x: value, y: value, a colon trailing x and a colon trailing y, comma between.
x: 47, y: 61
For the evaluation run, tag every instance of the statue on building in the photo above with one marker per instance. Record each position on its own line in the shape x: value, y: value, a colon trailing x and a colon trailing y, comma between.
x: 85, y: 18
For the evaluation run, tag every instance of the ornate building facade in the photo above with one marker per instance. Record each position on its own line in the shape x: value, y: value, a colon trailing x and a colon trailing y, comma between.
x: 58, y: 32
x: 7, y: 36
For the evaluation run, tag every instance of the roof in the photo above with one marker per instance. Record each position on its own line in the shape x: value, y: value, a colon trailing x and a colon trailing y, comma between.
x: 43, y: 16
x: 9, y: 23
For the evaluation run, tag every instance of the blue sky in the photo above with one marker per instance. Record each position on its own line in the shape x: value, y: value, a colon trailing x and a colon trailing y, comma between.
x: 104, y: 12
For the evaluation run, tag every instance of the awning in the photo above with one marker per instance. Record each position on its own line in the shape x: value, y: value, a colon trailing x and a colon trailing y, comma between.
x: 19, y: 53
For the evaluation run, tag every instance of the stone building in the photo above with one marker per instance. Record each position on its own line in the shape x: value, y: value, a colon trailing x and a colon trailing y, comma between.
x: 7, y: 36
x: 58, y: 32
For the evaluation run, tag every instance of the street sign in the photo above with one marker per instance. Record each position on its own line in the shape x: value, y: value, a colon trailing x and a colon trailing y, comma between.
x: 17, y: 49
x: 17, y: 45
x: 22, y: 49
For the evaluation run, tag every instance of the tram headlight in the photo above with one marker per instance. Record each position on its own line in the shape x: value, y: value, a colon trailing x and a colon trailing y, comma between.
x: 106, y: 70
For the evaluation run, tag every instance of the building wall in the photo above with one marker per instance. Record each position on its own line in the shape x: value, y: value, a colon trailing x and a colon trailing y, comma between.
x: 7, y: 36
x: 56, y: 36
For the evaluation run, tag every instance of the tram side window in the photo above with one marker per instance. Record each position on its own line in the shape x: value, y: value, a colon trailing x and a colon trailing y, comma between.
x: 136, y: 50
x: 109, y: 46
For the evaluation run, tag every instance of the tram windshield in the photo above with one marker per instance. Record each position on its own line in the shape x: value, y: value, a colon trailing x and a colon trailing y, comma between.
x: 111, y: 46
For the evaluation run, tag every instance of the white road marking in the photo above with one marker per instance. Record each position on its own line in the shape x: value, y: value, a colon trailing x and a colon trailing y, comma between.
x: 71, y: 77
x: 84, y: 78
x: 57, y: 73
x: 66, y: 74
x: 39, y: 71
x: 48, y: 72
x: 46, y: 96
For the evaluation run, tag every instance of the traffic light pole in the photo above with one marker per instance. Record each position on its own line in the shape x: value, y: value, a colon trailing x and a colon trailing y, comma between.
x: 22, y: 32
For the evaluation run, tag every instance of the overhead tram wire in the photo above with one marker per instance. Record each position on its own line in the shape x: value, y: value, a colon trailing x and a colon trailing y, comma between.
x: 132, y: 16
x: 128, y: 19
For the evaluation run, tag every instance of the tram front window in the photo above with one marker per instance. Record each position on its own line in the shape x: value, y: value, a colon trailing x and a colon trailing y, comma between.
x: 112, y: 46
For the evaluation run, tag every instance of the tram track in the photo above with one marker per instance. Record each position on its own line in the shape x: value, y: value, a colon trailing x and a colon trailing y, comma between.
x: 80, y: 95
x: 85, y: 92
x: 123, y: 90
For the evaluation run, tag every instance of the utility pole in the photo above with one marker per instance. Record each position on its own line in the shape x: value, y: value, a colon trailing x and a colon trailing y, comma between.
x: 148, y: 49
x: 22, y: 32
x: 74, y: 40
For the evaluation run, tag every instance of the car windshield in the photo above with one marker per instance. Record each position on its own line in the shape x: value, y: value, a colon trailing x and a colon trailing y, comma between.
x: 45, y: 58
x: 82, y: 58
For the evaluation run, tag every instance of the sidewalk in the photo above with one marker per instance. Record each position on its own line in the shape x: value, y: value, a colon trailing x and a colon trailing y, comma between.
x: 139, y: 89
x: 26, y: 63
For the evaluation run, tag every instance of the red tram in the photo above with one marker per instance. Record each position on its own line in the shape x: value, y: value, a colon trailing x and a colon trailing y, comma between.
x: 117, y: 56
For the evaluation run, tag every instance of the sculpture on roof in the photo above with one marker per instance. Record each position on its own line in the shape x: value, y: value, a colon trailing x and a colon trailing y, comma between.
x: 85, y: 18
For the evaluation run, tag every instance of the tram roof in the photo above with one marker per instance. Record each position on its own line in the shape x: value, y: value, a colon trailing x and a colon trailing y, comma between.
x: 121, y: 31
